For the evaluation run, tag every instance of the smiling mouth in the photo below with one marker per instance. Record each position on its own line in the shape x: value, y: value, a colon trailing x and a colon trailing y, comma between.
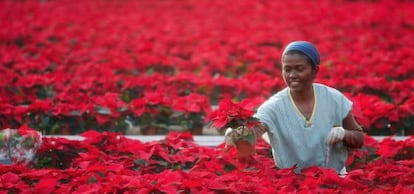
x: 293, y: 84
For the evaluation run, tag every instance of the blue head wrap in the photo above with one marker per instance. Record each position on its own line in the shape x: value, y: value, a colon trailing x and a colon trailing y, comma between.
x: 307, y: 48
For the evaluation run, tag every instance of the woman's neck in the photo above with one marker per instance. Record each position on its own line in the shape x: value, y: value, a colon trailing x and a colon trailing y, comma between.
x: 303, y: 96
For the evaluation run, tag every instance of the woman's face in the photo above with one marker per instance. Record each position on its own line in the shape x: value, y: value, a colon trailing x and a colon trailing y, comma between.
x: 297, y: 72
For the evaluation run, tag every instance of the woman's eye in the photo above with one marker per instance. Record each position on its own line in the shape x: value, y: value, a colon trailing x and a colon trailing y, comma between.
x: 299, y: 69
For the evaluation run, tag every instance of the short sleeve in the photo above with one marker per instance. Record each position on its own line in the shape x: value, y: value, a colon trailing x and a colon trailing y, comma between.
x: 263, y: 113
x: 343, y: 103
x: 267, y: 113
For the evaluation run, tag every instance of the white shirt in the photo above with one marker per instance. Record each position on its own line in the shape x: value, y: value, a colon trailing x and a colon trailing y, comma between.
x: 295, y: 141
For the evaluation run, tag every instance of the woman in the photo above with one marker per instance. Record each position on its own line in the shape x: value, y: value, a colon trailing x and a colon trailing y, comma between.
x: 308, y: 124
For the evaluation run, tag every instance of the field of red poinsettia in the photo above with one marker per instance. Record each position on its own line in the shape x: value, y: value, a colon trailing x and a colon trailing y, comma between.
x: 111, y: 163
x: 70, y: 66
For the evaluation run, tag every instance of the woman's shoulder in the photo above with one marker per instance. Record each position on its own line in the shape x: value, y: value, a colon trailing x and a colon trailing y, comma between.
x: 326, y: 92
x: 267, y: 112
x: 322, y: 88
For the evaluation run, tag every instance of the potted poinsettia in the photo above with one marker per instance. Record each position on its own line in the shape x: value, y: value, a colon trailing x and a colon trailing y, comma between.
x: 238, y: 118
x: 152, y: 112
x: 189, y: 112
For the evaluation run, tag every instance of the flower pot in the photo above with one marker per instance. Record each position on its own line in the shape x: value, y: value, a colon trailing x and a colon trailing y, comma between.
x: 151, y: 130
x: 65, y: 131
x: 197, y: 131
x: 244, y: 148
x: 133, y: 130
x: 408, y: 132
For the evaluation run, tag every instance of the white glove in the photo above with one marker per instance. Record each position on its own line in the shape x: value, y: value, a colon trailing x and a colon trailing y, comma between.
x: 229, y: 137
x: 335, y: 135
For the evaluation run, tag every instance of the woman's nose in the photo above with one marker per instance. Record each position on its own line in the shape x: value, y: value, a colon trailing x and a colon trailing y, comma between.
x: 292, y: 74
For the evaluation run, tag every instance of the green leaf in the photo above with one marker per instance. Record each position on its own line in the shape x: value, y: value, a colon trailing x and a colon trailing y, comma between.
x: 150, y: 71
x: 75, y: 113
x: 251, y: 138
x: 29, y: 142
x: 229, y: 167
x: 140, y: 162
x: 92, y: 179
x: 103, y: 110
x: 2, y: 141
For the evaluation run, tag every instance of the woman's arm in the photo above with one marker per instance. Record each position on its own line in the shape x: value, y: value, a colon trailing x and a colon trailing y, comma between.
x: 354, y: 136
x: 260, y: 129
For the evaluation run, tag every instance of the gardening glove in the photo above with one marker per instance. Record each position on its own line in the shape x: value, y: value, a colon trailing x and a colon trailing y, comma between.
x: 335, y: 135
x: 229, y: 137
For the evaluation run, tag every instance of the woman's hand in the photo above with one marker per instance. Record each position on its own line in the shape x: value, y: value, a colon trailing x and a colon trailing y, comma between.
x: 229, y: 137
x: 336, y: 135
x: 234, y: 137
